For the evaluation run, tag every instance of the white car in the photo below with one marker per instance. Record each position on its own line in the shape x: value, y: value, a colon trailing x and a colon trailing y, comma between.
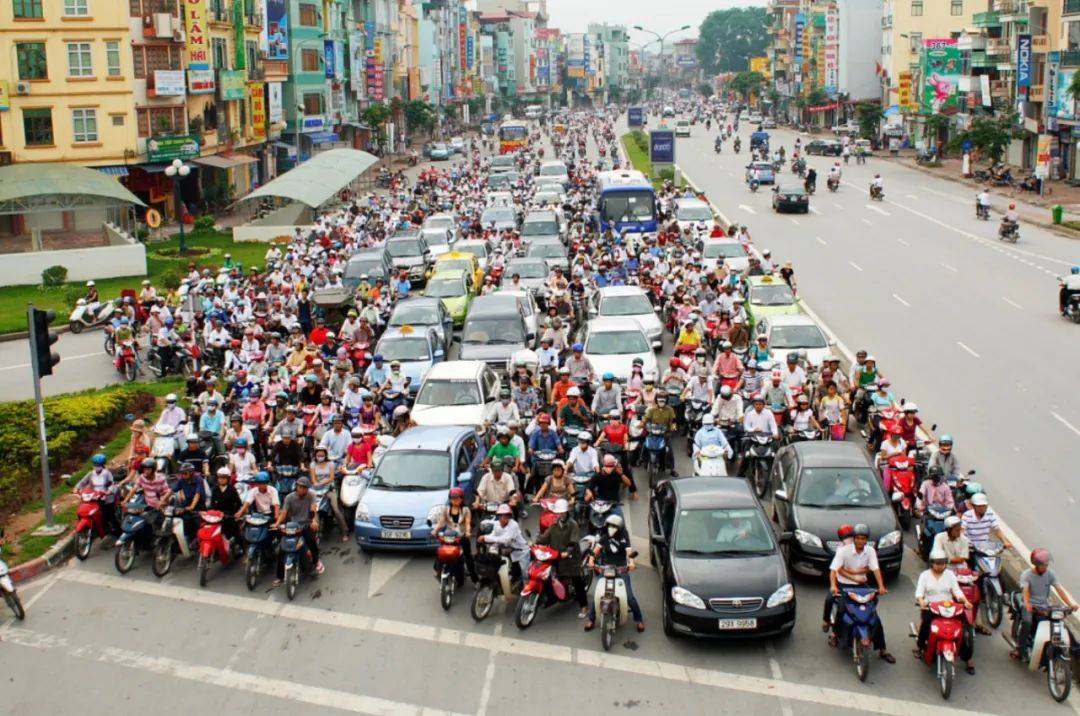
x: 755, y: 118
x: 730, y: 250
x: 794, y: 332
x: 440, y: 231
x: 690, y: 213
x: 457, y: 392
x: 628, y: 302
x: 768, y: 123
x: 554, y: 171
x: 682, y: 128
x: 612, y: 344
x: 458, y: 145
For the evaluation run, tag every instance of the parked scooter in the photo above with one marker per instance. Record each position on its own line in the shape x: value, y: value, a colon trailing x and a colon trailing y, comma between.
x: 82, y: 317
x: 296, y: 555
x: 943, y: 644
x: 214, y: 546
x: 1050, y: 648
x: 11, y: 595
x: 136, y: 533
x: 854, y: 624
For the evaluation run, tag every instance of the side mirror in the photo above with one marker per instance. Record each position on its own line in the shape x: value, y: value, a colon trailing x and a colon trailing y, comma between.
x: 530, y: 336
x: 464, y: 478
x: 659, y: 540
x: 781, y: 495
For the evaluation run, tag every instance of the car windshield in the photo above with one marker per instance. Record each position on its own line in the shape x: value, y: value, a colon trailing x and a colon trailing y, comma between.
x: 608, y: 343
x: 548, y: 251
x: 791, y: 189
x: 502, y: 162
x: 454, y: 264
x: 722, y: 532
x: 797, y: 337
x: 449, y: 392
x: 628, y: 205
x: 439, y: 222
x: 404, y: 247
x: 539, y: 228
x: 840, y: 487
x: 634, y: 305
x: 718, y: 249
x: 445, y: 286
x: 404, y: 349
x: 776, y: 294
x: 412, y: 470
x: 546, y: 197
x: 497, y: 215
x: 373, y: 267
x: 497, y: 180
x: 694, y: 213
x: 435, y: 237
x: 414, y: 315
x: 501, y: 331
x: 477, y: 250
x: 438, y: 147
x: 762, y: 166
x: 528, y: 269
x: 552, y: 170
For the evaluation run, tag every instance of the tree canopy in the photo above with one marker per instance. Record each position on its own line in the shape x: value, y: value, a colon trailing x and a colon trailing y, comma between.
x: 746, y: 83
x: 728, y: 39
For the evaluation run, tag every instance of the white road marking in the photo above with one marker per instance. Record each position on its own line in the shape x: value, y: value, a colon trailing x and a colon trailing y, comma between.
x: 383, y: 568
x: 950, y: 197
x: 489, y: 677
x: 838, y: 206
x: 778, y: 688
x: 868, y: 222
x: 66, y: 358
x: 966, y: 348
x: 1014, y: 304
x: 912, y: 197
x: 774, y: 669
x: 1066, y: 423
x: 855, y: 266
x: 903, y: 242
x: 901, y: 300
x: 879, y: 210
x: 794, y: 221
x: 950, y: 268
x: 747, y: 209
x: 821, y: 241
x: 225, y: 678
x: 815, y: 210
x: 46, y: 585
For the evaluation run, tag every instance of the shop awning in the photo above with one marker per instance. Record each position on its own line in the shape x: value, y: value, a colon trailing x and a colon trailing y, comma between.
x: 116, y: 171
x: 152, y: 168
x: 224, y: 161
x: 318, y: 180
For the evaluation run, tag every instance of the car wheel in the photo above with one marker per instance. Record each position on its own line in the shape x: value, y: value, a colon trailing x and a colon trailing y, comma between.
x: 668, y: 624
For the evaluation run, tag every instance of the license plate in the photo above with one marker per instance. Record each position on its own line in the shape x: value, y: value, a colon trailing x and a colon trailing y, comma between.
x: 726, y: 624
x: 395, y: 534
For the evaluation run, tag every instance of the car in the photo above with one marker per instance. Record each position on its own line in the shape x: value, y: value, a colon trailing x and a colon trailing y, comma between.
x: 373, y: 263
x: 533, y: 272
x: 457, y: 144
x: 548, y: 184
x: 457, y: 392
x: 629, y: 302
x: 791, y: 196
x: 541, y: 225
x: 766, y: 173
x: 549, y: 197
x: 755, y: 118
x: 730, y: 251
x: 455, y: 288
x: 464, y: 260
x: 526, y: 302
x: 440, y: 231
x: 502, y: 180
x: 410, y: 253
x: 439, y: 151
x: 417, y: 348
x: 551, y: 250
x: 682, y: 128
x: 821, y: 485
x: 554, y: 171
x: 722, y: 573
x: 612, y: 344
x: 498, y: 199
x: 424, y: 312
x: 768, y: 123
x: 769, y: 296
x: 479, y: 248
x: 495, y: 329
x: 863, y: 146
x: 690, y: 212
x: 667, y: 111
x: 502, y: 163
x: 499, y: 218
x: 410, y: 484
x: 824, y: 147
x: 797, y: 332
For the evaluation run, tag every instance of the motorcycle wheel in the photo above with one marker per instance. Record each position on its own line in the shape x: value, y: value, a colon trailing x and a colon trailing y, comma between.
x: 83, y: 542
x: 858, y: 655
x: 131, y: 371
x: 607, y: 631
x: 75, y: 327
x: 482, y: 602
x: 760, y: 479
x: 446, y: 591
x: 905, y: 519
x: 946, y: 672
x: 1058, y: 676
x: 110, y: 345
x: 15, y: 604
x: 125, y: 557
x: 163, y: 558
x: 526, y: 610
x: 994, y: 608
x: 204, y: 569
x: 251, y: 572
x: 654, y: 471
x: 292, y: 581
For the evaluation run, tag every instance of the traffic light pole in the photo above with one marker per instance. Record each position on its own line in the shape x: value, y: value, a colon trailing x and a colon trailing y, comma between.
x: 50, y: 527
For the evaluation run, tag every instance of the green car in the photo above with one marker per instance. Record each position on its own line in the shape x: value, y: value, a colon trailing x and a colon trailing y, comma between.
x: 455, y: 290
x: 769, y: 296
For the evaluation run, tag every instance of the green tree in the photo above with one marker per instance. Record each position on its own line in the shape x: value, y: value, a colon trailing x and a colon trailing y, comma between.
x: 705, y: 90
x: 937, y: 128
x: 419, y: 116
x: 728, y: 39
x: 868, y: 115
x: 1074, y: 87
x: 991, y: 136
x: 746, y: 83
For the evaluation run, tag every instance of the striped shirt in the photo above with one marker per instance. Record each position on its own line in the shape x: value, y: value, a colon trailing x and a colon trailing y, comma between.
x: 977, y: 529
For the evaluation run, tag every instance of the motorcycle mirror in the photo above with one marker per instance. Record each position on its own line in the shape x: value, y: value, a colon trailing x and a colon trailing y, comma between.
x: 933, y: 427
x: 781, y: 495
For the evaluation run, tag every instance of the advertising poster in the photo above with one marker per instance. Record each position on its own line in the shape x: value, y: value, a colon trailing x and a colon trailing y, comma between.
x: 800, y: 26
x: 662, y: 147
x: 635, y: 117
x: 277, y: 29
x: 328, y: 59
x: 258, y: 110
x: 357, y: 65
x: 1064, y: 105
x: 201, y: 81
x: 274, y: 103
x: 904, y: 82
x: 941, y: 69
x: 172, y: 146
x: 1023, y: 65
x: 197, y: 48
x: 169, y: 83
x: 231, y: 84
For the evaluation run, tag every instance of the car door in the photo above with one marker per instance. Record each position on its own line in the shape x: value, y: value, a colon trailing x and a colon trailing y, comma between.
x: 661, y: 524
x: 786, y: 474
x: 435, y: 347
x: 447, y: 322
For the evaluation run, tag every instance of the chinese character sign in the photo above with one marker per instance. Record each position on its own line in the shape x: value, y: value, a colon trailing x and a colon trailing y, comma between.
x: 258, y: 110
x: 198, y: 41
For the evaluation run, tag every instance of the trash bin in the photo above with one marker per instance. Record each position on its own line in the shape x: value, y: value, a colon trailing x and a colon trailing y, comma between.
x: 1058, y: 213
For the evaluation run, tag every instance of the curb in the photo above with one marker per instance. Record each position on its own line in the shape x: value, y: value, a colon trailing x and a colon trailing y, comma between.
x: 22, y: 335
x: 59, y: 553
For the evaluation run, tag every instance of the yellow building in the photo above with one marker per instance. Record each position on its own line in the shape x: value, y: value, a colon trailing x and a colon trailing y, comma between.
x: 904, y: 26
x: 66, y: 82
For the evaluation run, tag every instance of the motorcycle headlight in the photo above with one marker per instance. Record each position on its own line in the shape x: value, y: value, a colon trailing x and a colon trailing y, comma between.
x: 686, y: 598
x: 783, y: 595
x: 891, y: 539
x: 435, y: 512
x: 362, y: 512
x: 807, y: 539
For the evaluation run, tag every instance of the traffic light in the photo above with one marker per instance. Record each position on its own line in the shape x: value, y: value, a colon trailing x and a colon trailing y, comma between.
x: 41, y: 339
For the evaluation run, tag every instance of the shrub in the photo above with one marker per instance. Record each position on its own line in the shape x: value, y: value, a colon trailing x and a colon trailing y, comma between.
x: 142, y: 233
x: 204, y: 224
x: 54, y: 276
x: 72, y: 294
x: 171, y: 277
x: 666, y: 174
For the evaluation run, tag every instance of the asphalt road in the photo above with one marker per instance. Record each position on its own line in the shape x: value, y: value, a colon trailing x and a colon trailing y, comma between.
x: 83, y: 364
x: 962, y: 324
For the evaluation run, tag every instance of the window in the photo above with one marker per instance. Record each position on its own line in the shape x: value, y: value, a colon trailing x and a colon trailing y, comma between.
x: 37, y: 127
x: 251, y: 52
x: 916, y: 42
x: 84, y: 122
x: 28, y: 10
x: 221, y: 53
x: 957, y: 7
x: 31, y: 60
x: 79, y: 63
x: 308, y: 16
x: 112, y: 58
x: 309, y: 60
x: 313, y: 103
x: 916, y: 8
x: 76, y: 8
x: 118, y: 120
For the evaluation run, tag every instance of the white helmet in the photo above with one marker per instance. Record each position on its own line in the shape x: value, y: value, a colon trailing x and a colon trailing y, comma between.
x: 561, y: 507
x: 938, y: 555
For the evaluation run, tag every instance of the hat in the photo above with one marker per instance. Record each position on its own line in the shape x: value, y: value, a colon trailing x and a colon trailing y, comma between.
x: 504, y: 509
x: 951, y: 521
x: 979, y: 498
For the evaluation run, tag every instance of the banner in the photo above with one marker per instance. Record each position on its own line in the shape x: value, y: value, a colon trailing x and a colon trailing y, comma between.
x: 201, y: 81
x: 239, y: 44
x: 1053, y: 59
x: 258, y: 110
x: 1064, y: 105
x: 904, y: 99
x: 328, y: 59
x: 231, y: 84
x: 197, y: 48
x: 169, y: 83
x: 1023, y: 65
x: 274, y: 102
x: 462, y: 45
x: 984, y: 90
x: 469, y: 52
x: 800, y: 24
x: 277, y: 29
x: 941, y: 70
x: 635, y: 117
x: 759, y: 64
x: 662, y: 146
x: 357, y: 65
x: 1042, y: 157
x: 172, y: 146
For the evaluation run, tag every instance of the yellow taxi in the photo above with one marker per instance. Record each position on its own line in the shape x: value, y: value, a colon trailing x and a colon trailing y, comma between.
x: 459, y: 260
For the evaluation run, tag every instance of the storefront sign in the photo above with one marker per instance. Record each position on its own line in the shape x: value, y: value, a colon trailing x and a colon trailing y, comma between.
x: 201, y: 81
x: 469, y: 49
x: 1064, y: 104
x: 313, y: 124
x: 1023, y: 64
x: 169, y: 83
x: 277, y: 29
x: 662, y: 146
x: 904, y: 82
x: 231, y: 84
x: 197, y: 50
x: 258, y: 110
x: 274, y: 103
x: 1042, y: 157
x: 357, y: 63
x: 167, y: 147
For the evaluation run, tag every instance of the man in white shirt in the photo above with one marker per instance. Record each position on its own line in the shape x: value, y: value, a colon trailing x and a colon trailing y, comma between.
x: 759, y: 420
x: 507, y: 533
x: 583, y: 459
x: 850, y: 566
x: 938, y: 584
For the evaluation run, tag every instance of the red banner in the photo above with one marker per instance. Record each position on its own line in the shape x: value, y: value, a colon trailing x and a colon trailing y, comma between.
x: 823, y: 108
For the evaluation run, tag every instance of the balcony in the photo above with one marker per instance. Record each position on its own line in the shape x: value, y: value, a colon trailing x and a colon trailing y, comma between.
x: 254, y: 19
x: 998, y: 47
x: 1037, y: 93
x: 1070, y: 58
x: 986, y: 19
x: 1071, y: 7
x: 1007, y: 7
x: 1040, y: 44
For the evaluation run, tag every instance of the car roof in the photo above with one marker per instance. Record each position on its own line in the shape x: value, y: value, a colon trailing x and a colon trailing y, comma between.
x: 791, y: 187
x: 793, y: 319
x: 421, y: 300
x: 541, y: 215
x: 690, y: 201
x: 399, y: 332
x: 502, y: 303
x: 621, y: 291
x: 712, y: 492
x: 429, y: 437
x: 448, y: 273
x: 459, y: 255
x: 724, y: 240
x: 613, y: 323
x: 829, y: 453
x: 517, y: 260
x: 765, y: 281
x: 456, y: 369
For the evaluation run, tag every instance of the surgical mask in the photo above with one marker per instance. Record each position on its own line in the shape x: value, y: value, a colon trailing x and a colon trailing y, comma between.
x: 612, y: 531
x: 320, y: 458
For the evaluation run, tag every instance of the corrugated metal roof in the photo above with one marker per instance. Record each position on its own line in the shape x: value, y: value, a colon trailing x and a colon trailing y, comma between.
x: 20, y: 181
x: 317, y: 180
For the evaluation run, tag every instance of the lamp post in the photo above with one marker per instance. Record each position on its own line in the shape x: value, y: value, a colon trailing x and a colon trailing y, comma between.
x: 661, y: 38
x: 177, y: 171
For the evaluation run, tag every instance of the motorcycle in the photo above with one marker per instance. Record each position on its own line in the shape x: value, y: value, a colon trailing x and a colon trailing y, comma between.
x: 547, y: 517
x: 541, y: 577
x: 610, y: 602
x: 656, y: 444
x: 352, y: 485
x: 902, y: 469
x: 988, y: 561
x: 1050, y: 647
x: 296, y: 555
x: 213, y: 544
x: 692, y: 417
x: 598, y: 512
x: 737, y: 146
x: 127, y: 360
x: 854, y: 625
x: 716, y: 147
x: 541, y: 464
x: 163, y: 448
x: 11, y: 596
x: 286, y: 480
x: 260, y: 547
x: 83, y: 317
x: 1072, y: 308
x: 833, y: 183
x: 754, y: 184
x: 933, y: 522
x: 1009, y: 231
x: 710, y: 462
x: 877, y: 193
x: 495, y: 573
x: 800, y: 436
x: 91, y: 521
x: 136, y: 534
x: 982, y: 211
x: 756, y: 462
x: 169, y: 540
x: 943, y: 644
x: 448, y: 554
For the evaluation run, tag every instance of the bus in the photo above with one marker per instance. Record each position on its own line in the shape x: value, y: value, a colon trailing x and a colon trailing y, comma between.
x: 512, y: 136
x: 626, y: 202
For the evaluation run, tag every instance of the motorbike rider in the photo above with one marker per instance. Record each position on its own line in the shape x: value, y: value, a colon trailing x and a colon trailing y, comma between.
x: 834, y: 174
x: 850, y: 566
x: 1070, y: 286
x: 507, y: 533
x: 945, y: 459
x: 323, y: 471
x: 938, y: 584
x: 563, y: 536
x: 154, y: 488
x: 301, y: 507
x: 935, y: 491
x: 1037, y: 582
x: 980, y: 522
x: 614, y: 549
x: 802, y: 416
x: 505, y: 450
x: 953, y: 543
x: 457, y: 517
x: 213, y: 421
x: 982, y: 201
x: 496, y: 486
x: 811, y: 180
x: 225, y: 499
x: 608, y: 396
x: 845, y: 534
x: 710, y: 434
x: 194, y: 454
x: 877, y: 186
x: 574, y: 413
x: 193, y: 494
x: 663, y: 414
x: 262, y: 499
x: 1011, y: 220
x: 101, y: 479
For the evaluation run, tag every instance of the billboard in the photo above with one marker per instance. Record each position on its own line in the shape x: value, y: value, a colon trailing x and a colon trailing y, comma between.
x: 197, y: 47
x: 258, y: 110
x: 940, y: 69
x: 1064, y: 107
x: 167, y: 147
x: 800, y: 24
x: 1023, y: 64
x: 277, y: 29
x: 232, y: 84
x: 329, y: 57
x: 274, y: 102
x: 662, y: 146
x: 635, y: 117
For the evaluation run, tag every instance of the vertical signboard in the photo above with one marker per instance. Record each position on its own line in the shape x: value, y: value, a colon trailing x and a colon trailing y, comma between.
x: 277, y: 29
x: 258, y: 110
x: 800, y: 26
x: 1042, y: 157
x: 635, y: 117
x: 469, y: 50
x: 197, y: 49
x: 1064, y: 105
x: 904, y: 84
x: 239, y: 46
x: 357, y: 65
x: 274, y: 103
x: 1023, y: 65
x: 328, y: 59
x: 662, y: 146
x: 940, y: 69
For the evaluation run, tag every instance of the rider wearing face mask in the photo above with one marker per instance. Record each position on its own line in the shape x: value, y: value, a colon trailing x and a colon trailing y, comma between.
x: 613, y: 548
x: 562, y: 535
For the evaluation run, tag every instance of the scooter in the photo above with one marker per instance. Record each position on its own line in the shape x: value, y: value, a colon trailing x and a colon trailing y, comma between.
x: 1009, y: 232
x: 164, y: 448
x: 902, y: 469
x: 448, y: 554
x: 932, y: 522
x: 611, y: 605
x: 1050, y: 648
x: 169, y: 540
x: 495, y: 572
x: 988, y: 561
x: 833, y: 183
x: 136, y: 533
x: 352, y: 485
x: 754, y: 184
x: 877, y: 193
x: 547, y: 516
x: 757, y: 457
x: 544, y: 581
x: 127, y: 360
x: 656, y: 444
x: 710, y: 462
x: 91, y: 521
x: 260, y: 547
x: 82, y: 317
x: 943, y: 644
x: 286, y: 480
x: 693, y: 413
x: 982, y: 211
x: 213, y: 544
x: 296, y: 555
x: 11, y: 596
x: 854, y: 625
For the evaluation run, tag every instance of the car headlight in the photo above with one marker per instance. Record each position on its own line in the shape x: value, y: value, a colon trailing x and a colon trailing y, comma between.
x: 435, y: 513
x: 686, y: 598
x: 362, y: 513
x: 783, y: 595
x: 890, y: 540
x: 808, y: 539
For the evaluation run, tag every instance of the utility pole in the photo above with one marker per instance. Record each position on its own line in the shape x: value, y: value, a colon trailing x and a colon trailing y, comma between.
x: 42, y: 360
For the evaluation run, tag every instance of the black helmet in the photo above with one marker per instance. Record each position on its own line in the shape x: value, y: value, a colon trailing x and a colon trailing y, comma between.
x: 187, y: 467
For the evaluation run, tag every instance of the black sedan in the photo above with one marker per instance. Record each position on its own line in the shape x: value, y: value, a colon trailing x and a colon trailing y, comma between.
x: 823, y: 485
x: 824, y: 147
x: 722, y: 574
x: 790, y: 196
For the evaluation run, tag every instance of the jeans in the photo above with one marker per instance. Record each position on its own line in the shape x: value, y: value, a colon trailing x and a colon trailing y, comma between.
x: 311, y: 542
x: 1028, y: 622
x: 631, y: 601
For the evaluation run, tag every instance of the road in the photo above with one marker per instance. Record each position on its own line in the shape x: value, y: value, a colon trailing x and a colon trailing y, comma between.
x: 964, y: 325
x: 83, y: 364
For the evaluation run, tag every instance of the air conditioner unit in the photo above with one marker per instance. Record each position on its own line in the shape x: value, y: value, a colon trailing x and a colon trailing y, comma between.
x: 22, y: 88
x: 163, y: 24
x: 179, y: 36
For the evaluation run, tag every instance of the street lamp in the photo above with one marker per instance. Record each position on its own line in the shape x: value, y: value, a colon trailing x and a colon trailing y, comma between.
x: 661, y: 38
x: 177, y: 171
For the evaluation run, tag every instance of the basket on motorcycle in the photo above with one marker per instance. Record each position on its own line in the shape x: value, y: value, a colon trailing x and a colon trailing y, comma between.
x: 448, y: 553
x: 487, y: 565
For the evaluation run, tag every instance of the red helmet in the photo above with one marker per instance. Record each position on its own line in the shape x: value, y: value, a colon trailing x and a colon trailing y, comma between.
x: 675, y: 362
x: 544, y: 419
x: 457, y: 492
x: 1040, y: 557
x: 845, y: 531
x: 234, y: 343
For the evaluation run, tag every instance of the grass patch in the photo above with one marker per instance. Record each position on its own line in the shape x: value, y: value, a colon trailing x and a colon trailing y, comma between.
x: 213, y: 245
x: 1074, y: 225
x: 637, y: 151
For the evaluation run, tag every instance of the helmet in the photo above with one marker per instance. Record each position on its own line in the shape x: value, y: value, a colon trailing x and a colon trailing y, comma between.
x: 951, y: 521
x: 614, y: 521
x: 615, y: 414
x: 792, y: 357
x: 561, y: 507
x: 241, y: 442
x: 223, y: 472
x: 945, y: 439
x: 584, y: 436
x: 708, y: 419
x: 262, y: 477
x: 356, y: 433
x: 544, y: 419
x: 148, y: 463
x: 610, y: 461
x: 98, y: 460
x: 456, y: 492
x: 726, y: 391
x: 170, y: 398
x: 1040, y: 557
x: 186, y: 467
x: 674, y: 362
x: 401, y: 411
x: 911, y: 408
x: 573, y: 392
x: 973, y: 488
x: 577, y: 347
x: 1074, y: 270
x: 979, y: 499
x: 845, y: 531
x: 938, y: 556
x: 861, y: 530
x: 504, y: 393
x: 609, y: 376
x: 377, y: 358
x: 504, y: 510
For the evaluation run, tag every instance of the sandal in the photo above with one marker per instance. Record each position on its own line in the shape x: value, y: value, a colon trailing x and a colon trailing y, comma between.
x: 887, y: 657
x: 640, y: 627
x: 588, y: 625
x: 970, y: 669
